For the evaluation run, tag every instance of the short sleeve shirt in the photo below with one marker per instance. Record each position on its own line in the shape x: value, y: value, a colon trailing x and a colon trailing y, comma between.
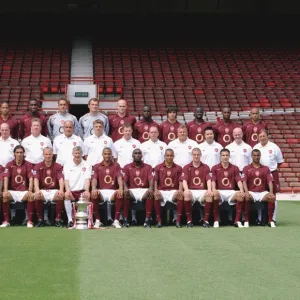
x: 107, y: 176
x: 167, y: 178
x: 257, y: 179
x: 196, y: 130
x: 196, y: 177
x: 226, y: 178
x: 137, y: 177
x: 48, y: 177
x: 18, y: 175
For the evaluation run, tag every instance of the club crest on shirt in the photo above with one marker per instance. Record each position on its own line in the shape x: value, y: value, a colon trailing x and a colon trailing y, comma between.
x: 216, y: 150
x: 160, y: 147
x: 105, y: 142
x: 137, y: 173
x: 257, y: 173
x: 168, y: 173
x: 12, y: 145
x: 226, y: 129
x: 172, y: 128
x: 146, y: 127
x: 255, y: 129
x: 48, y: 172
x: 107, y: 171
x: 19, y: 170
x: 83, y: 169
x: 245, y: 150
x: 225, y: 173
x: 190, y: 147
x: 197, y: 172
x: 270, y: 151
x: 42, y: 143
x: 62, y: 122
x: 122, y: 122
x: 199, y: 129
x: 74, y: 143
x: 133, y: 146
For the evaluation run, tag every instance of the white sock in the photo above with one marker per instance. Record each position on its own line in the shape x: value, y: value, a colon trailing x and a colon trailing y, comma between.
x: 174, y: 214
x: 26, y: 214
x: 68, y: 208
x: 108, y: 210
x: 121, y: 216
x: 13, y: 212
x: 46, y: 214
x: 133, y: 215
x: 275, y: 211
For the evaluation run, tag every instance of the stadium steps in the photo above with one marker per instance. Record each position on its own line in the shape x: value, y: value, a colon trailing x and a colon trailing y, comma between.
x: 82, y: 58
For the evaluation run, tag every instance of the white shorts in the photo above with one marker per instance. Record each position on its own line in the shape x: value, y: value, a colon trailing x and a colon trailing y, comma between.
x: 257, y: 197
x: 49, y: 194
x: 107, y: 195
x: 227, y: 195
x: 138, y: 193
x: 167, y: 196
x: 198, y: 195
x: 18, y: 195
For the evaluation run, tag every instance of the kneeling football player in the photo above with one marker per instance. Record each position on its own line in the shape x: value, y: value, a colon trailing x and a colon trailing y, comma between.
x: 18, y: 185
x: 107, y: 185
x: 196, y: 181
x: 138, y: 186
x: 256, y: 178
x: 225, y: 177
x: 168, y: 186
x: 48, y: 186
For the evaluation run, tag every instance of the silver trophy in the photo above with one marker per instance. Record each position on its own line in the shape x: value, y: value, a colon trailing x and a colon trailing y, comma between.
x: 83, y: 214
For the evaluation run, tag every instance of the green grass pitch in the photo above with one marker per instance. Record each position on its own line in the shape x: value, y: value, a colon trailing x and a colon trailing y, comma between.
x: 167, y: 263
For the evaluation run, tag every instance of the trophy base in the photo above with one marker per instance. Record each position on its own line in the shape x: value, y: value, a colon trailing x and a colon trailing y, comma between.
x: 81, y: 226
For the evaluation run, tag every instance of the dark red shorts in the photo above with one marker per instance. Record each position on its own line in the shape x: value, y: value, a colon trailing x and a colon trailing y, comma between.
x: 76, y: 194
x: 276, y: 183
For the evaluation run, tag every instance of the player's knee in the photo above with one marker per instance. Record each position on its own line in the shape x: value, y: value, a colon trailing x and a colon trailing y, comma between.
x: 208, y: 199
x: 187, y: 195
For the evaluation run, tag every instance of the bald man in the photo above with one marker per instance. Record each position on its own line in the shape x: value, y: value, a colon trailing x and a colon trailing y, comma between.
x: 117, y: 121
x: 252, y: 127
x: 240, y: 152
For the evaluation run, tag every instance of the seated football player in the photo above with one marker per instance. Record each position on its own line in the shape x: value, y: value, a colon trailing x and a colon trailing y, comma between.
x: 48, y: 187
x: 196, y: 182
x: 256, y: 178
x: 168, y: 186
x: 138, y: 186
x: 225, y: 177
x: 77, y: 173
x: 107, y: 186
x: 18, y: 185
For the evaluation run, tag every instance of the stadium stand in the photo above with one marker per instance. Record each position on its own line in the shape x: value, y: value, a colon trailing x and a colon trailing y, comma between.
x: 213, y: 77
